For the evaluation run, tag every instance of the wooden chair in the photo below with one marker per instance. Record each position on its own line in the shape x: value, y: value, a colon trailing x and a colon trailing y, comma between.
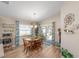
x: 27, y: 45
x: 36, y: 45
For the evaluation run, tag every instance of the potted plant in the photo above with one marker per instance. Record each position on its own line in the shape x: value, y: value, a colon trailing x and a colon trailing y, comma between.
x: 66, y: 53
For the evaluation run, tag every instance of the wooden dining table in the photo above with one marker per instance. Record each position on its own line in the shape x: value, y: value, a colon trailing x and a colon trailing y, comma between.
x: 33, y: 44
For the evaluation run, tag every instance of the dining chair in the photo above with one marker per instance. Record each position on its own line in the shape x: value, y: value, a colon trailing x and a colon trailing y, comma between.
x: 27, y: 45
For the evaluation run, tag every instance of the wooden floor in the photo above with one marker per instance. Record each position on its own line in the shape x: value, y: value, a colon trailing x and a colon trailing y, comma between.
x: 45, y: 52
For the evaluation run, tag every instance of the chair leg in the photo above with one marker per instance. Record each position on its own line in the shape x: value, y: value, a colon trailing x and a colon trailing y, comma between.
x: 24, y: 49
x: 27, y: 50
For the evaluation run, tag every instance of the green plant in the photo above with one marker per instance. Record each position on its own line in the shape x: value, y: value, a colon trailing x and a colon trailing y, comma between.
x: 66, y: 53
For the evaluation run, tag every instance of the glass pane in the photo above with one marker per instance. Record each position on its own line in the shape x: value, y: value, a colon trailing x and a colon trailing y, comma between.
x: 49, y: 33
x: 44, y: 31
x: 25, y: 30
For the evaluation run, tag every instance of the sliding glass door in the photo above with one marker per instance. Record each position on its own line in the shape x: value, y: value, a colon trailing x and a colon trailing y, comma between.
x: 44, y: 30
x: 49, y: 32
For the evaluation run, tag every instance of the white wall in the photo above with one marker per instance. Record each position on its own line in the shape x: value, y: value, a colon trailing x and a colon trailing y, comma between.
x: 58, y: 22
x: 70, y: 41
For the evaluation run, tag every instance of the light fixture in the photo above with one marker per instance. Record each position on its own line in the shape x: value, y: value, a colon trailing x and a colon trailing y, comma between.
x: 35, y: 26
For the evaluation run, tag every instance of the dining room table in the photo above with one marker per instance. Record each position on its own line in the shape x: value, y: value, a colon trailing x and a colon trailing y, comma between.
x: 34, y: 43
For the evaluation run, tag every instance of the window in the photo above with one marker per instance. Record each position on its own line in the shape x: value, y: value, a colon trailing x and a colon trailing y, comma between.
x: 25, y: 30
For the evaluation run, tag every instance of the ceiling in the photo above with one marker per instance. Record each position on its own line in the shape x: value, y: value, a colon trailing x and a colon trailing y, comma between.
x: 30, y: 10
